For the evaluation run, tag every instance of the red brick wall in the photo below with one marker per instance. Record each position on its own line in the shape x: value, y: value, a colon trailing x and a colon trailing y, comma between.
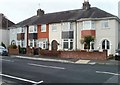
x: 13, y: 51
x: 50, y: 53
x: 88, y: 33
x: 43, y: 34
x: 76, y: 54
x: 84, y: 55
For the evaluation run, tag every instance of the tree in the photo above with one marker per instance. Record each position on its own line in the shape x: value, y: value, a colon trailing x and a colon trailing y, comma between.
x: 2, y: 44
x: 87, y: 40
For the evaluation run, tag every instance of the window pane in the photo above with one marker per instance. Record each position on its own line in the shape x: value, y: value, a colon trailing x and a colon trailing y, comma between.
x: 87, y: 24
x: 35, y: 28
x: 68, y: 35
x: 54, y: 28
x: 35, y: 43
x: 93, y: 25
x: 71, y: 45
x: 108, y: 45
x: 65, y: 35
x: 103, y: 45
x: 31, y: 43
x: 71, y: 34
x: 105, y: 24
x: 65, y: 45
x: 43, y: 28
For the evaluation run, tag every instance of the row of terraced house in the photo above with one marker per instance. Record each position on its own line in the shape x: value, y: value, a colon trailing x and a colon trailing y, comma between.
x: 66, y: 30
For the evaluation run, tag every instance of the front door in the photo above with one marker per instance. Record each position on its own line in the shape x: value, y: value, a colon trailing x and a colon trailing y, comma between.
x: 106, y: 46
x: 54, y: 45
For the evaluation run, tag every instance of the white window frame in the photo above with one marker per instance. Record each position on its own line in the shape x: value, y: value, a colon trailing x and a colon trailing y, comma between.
x: 43, y: 28
x: 43, y: 44
x: 33, y: 29
x: 54, y: 27
x: 68, y: 41
x: 88, y: 25
x: 20, y: 30
x: 21, y: 43
x: 103, y: 24
x: 31, y: 42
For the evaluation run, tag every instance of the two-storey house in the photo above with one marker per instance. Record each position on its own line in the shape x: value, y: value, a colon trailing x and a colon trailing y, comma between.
x: 4, y: 31
x: 66, y: 29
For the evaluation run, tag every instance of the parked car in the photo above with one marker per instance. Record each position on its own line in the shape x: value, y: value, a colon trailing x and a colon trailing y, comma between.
x: 117, y: 54
x: 3, y: 51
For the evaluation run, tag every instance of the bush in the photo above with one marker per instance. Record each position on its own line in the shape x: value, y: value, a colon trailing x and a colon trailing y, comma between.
x: 23, y: 50
x: 13, y: 46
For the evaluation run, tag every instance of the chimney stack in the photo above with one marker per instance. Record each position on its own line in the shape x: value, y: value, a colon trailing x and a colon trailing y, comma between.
x: 86, y: 5
x: 40, y: 12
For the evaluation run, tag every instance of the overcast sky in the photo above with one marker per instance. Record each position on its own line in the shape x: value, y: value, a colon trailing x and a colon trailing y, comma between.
x: 18, y: 10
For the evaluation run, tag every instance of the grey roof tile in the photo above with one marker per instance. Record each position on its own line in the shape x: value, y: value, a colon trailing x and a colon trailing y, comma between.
x: 66, y: 16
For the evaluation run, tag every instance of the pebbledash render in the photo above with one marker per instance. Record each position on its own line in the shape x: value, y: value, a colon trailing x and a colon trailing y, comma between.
x: 65, y: 30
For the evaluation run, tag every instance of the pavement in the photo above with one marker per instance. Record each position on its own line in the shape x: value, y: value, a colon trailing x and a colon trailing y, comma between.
x: 70, y: 60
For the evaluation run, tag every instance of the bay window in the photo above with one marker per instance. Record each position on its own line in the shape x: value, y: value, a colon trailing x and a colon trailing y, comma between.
x: 88, y: 25
x: 67, y: 44
x: 43, y: 44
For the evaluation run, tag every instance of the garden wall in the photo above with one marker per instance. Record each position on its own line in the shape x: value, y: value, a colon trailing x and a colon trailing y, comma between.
x: 76, y: 54
x: 84, y: 55
x: 12, y: 51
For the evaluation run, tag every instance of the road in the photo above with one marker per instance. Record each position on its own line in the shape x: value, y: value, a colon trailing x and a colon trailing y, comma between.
x: 22, y: 71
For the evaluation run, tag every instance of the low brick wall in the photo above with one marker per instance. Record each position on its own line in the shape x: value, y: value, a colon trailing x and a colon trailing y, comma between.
x: 84, y: 55
x: 49, y: 53
x: 29, y: 51
x: 12, y: 51
x: 76, y: 54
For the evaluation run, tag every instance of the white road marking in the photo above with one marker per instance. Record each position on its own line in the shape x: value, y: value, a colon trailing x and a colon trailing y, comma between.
x: 21, y: 79
x: 82, y: 61
x: 38, y: 83
x: 54, y: 67
x: 7, y: 60
x: 116, y: 74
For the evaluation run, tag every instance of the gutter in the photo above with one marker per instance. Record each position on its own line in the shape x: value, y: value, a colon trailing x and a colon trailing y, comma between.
x: 87, y: 19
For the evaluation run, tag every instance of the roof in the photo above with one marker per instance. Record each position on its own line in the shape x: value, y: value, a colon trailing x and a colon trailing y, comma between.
x: 5, y: 23
x: 28, y: 21
x: 65, y: 16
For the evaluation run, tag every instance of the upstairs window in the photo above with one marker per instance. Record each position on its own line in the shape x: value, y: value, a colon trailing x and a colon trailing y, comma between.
x: 54, y: 28
x: 88, y: 25
x: 105, y: 24
x: 68, y: 26
x: 43, y: 28
x: 32, y: 29
x: 20, y: 30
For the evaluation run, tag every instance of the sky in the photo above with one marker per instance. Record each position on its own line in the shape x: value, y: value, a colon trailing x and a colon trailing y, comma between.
x: 19, y: 10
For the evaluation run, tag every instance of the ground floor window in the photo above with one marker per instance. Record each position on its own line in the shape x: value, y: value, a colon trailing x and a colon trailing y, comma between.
x: 67, y: 44
x: 43, y: 45
x: 21, y: 43
x: 105, y: 45
x: 32, y: 43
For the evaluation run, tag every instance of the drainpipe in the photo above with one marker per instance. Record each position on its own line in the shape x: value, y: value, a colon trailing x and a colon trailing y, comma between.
x: 76, y: 35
